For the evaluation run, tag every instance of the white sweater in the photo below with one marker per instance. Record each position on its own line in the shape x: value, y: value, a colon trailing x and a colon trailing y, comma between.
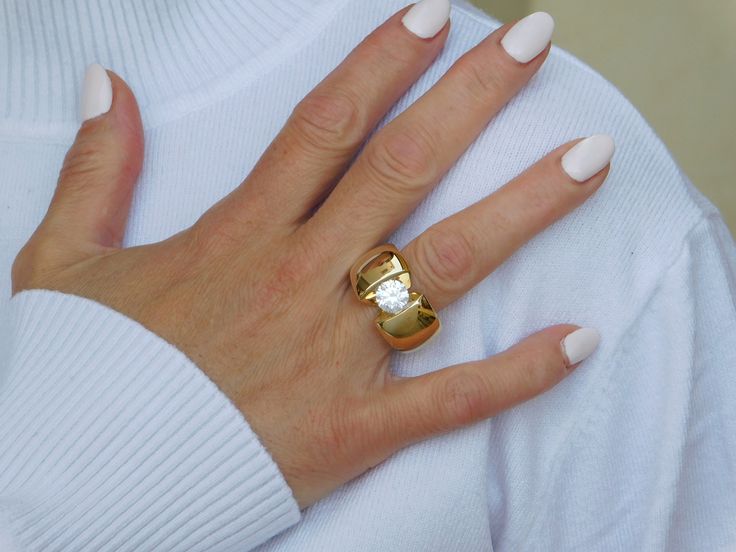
x: 113, y: 440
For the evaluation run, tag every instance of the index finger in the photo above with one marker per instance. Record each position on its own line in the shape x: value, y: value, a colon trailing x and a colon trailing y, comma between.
x: 330, y: 123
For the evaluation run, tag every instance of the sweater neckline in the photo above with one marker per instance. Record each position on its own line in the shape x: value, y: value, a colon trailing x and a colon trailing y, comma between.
x: 166, y: 50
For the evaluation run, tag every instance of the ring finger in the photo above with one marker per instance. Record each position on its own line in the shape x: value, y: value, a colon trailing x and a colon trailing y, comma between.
x: 454, y: 254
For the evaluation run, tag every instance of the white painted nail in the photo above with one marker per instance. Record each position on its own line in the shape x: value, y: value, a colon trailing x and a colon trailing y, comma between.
x: 427, y: 17
x: 579, y: 344
x: 96, y: 92
x: 588, y: 157
x: 529, y: 37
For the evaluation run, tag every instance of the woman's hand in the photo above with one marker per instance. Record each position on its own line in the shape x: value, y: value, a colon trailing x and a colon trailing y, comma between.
x: 257, y: 293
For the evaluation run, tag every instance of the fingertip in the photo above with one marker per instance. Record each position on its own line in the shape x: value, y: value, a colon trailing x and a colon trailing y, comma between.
x: 108, y: 104
x: 427, y: 18
x: 588, y: 157
x: 105, y: 92
x: 97, y: 92
x: 579, y: 345
x: 529, y: 37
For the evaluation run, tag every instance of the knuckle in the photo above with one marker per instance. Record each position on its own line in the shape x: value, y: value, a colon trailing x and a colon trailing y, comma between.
x: 380, y: 51
x: 209, y: 239
x: 463, y: 398
x: 310, y: 255
x: 405, y: 156
x: 446, y: 259
x: 480, y: 80
x: 84, y: 164
x: 530, y: 371
x: 537, y: 368
x: 328, y: 118
x: 221, y: 230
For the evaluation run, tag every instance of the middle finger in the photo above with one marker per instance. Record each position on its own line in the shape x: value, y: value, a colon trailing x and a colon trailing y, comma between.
x: 399, y: 166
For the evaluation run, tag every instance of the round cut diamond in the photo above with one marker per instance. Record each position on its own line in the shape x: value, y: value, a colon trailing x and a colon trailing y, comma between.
x: 392, y: 296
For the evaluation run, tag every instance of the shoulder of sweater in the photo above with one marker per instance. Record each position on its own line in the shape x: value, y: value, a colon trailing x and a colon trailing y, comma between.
x: 648, y: 203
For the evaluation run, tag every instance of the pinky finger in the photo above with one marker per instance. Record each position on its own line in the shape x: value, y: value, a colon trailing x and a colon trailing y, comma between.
x: 420, y: 407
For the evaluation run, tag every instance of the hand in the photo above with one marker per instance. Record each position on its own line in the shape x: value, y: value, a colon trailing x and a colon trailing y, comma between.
x: 256, y: 292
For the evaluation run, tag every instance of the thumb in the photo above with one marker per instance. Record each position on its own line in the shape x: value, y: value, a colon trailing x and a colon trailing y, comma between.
x: 90, y: 206
x: 420, y: 407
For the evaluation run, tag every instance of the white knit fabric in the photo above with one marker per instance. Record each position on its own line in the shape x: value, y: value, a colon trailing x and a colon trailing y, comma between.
x: 113, y: 440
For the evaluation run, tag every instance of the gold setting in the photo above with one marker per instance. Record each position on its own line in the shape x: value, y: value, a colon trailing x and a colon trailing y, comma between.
x: 417, y: 322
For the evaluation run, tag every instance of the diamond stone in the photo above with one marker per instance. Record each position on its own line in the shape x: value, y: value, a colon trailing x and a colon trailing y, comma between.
x: 392, y: 296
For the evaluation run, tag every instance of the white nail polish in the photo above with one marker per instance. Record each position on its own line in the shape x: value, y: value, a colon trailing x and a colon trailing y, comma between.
x: 588, y: 157
x: 579, y: 344
x: 96, y: 92
x: 427, y: 17
x: 529, y: 37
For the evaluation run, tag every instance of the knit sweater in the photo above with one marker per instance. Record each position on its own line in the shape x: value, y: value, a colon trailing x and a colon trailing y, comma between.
x: 112, y: 439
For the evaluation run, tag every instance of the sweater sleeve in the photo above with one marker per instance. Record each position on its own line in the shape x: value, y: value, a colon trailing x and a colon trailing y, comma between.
x: 112, y: 439
x: 694, y: 495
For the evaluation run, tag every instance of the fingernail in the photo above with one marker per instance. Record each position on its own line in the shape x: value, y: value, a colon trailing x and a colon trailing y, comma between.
x: 579, y: 344
x: 427, y: 17
x: 529, y: 37
x: 96, y: 92
x: 588, y: 157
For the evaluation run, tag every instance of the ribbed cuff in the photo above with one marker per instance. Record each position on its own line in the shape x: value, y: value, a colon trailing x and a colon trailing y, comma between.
x: 112, y: 439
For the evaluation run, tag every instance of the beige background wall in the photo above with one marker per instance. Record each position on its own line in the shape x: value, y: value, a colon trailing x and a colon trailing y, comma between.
x: 674, y: 59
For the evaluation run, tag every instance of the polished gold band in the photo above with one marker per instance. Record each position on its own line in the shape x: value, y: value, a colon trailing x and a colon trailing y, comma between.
x: 381, y: 277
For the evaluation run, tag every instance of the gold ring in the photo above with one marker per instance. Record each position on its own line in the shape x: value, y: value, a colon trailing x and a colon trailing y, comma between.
x: 381, y: 277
